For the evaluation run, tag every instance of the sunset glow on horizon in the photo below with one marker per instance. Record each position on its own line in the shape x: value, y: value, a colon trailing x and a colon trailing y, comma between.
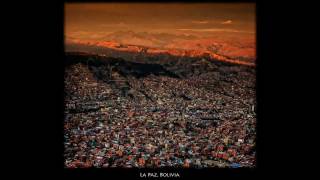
x: 229, y: 27
x: 93, y: 20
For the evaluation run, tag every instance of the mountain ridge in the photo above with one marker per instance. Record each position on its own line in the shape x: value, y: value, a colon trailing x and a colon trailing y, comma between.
x: 103, y: 47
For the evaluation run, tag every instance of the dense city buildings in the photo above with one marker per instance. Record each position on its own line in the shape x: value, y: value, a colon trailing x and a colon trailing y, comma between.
x: 184, y: 113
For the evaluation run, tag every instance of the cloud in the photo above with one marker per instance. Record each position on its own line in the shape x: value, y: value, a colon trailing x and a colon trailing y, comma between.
x: 215, y: 30
x: 77, y: 34
x: 87, y: 34
x: 120, y: 24
x: 200, y: 22
x: 227, y: 22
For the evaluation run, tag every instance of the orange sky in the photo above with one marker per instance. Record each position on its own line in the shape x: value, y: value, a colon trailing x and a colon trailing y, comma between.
x: 88, y: 21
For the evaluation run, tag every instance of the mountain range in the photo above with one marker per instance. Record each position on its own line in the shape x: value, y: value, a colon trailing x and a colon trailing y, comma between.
x: 233, y: 50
